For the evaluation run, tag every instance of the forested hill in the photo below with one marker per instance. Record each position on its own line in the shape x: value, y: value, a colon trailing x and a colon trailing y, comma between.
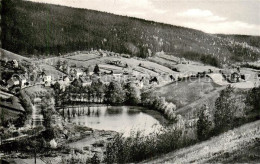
x: 34, y: 28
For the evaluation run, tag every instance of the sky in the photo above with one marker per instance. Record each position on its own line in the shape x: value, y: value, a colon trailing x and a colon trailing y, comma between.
x: 211, y: 16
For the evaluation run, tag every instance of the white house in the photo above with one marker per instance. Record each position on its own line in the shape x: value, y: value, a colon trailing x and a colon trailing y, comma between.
x: 85, y: 82
x: 117, y: 74
x: 47, y: 79
x: 183, y: 61
x: 77, y: 72
x: 15, y: 63
x: 23, y: 81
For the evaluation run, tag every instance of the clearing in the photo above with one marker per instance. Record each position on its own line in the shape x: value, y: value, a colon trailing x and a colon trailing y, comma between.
x: 182, y: 93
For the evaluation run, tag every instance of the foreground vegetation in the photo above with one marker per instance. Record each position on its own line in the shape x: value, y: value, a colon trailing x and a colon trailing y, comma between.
x: 226, y: 116
x: 138, y: 147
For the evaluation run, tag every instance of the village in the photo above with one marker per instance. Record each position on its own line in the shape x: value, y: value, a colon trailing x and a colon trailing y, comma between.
x: 39, y: 78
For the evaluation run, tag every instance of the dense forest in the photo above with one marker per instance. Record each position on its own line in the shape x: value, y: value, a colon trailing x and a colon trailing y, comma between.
x: 41, y: 29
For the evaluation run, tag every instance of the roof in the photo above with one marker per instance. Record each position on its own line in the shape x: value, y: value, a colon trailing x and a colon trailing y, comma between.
x: 118, y: 72
x: 65, y: 77
x: 46, y: 74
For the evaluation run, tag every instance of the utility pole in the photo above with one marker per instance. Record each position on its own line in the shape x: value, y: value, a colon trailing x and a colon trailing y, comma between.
x: 34, y: 146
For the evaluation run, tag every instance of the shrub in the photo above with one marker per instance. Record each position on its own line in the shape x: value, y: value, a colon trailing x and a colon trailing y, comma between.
x: 203, y: 124
x: 158, y: 103
x: 138, y: 147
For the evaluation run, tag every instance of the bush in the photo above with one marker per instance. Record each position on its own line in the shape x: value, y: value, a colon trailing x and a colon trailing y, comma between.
x: 159, y: 104
x: 138, y: 147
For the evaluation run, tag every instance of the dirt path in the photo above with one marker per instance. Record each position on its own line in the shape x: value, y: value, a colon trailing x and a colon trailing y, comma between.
x: 201, y: 153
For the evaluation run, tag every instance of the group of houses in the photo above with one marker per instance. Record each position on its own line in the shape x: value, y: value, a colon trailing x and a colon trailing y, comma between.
x: 77, y: 75
x: 233, y: 76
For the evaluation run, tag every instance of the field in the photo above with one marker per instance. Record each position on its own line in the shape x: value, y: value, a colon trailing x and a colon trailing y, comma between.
x: 148, y: 67
x: 192, y: 67
x: 185, y: 92
x: 84, y: 57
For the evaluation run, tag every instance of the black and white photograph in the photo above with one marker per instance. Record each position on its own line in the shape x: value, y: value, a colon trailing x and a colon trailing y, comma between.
x: 129, y: 81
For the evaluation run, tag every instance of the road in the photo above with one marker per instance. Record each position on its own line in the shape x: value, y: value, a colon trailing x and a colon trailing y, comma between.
x: 230, y: 141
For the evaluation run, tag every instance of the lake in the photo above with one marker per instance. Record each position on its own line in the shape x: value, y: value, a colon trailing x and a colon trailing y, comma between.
x: 123, y: 119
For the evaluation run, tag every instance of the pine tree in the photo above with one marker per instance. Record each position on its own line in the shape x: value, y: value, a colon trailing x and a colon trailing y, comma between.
x: 203, y: 124
x: 224, y: 110
x: 96, y: 69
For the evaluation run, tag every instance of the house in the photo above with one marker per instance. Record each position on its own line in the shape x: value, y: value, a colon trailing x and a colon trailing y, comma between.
x: 116, y: 62
x: 172, y: 78
x: 15, y: 63
x: 183, y: 61
x: 117, y: 74
x: 76, y: 82
x: 103, y: 54
x: 64, y: 83
x: 85, y: 82
x: 126, y: 56
x: 235, y: 77
x: 153, y: 80
x: 66, y: 79
x: 23, y: 81
x: 37, y: 100
x: 77, y: 72
x: 13, y: 81
x: 140, y: 83
x: 46, y: 78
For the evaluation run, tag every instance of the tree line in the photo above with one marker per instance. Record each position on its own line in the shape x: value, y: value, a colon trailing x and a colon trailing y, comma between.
x: 114, y: 93
x: 40, y: 29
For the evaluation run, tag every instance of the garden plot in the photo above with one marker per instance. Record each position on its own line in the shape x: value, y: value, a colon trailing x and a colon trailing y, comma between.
x: 169, y: 58
x: 195, y: 68
x: 109, y: 67
x: 84, y: 57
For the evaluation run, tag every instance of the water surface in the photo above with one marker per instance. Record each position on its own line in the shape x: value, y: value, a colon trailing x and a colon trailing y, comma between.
x: 123, y: 119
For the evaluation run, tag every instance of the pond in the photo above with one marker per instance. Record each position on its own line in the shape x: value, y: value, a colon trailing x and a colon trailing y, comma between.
x: 123, y: 119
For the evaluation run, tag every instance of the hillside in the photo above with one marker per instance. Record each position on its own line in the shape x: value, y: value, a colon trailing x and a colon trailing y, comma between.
x: 229, y: 147
x: 41, y: 29
x: 11, y: 56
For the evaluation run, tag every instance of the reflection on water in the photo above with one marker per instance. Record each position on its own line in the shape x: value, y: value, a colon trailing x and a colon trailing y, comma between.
x: 122, y: 119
